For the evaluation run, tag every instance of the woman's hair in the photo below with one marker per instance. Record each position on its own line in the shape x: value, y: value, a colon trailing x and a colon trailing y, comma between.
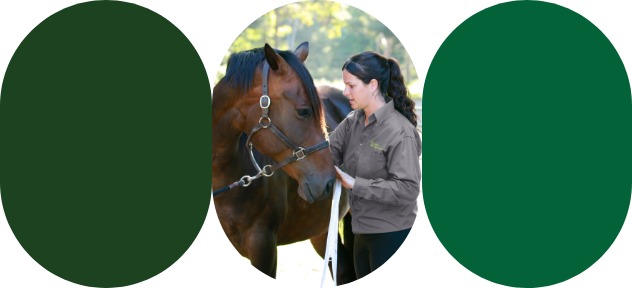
x: 370, y: 65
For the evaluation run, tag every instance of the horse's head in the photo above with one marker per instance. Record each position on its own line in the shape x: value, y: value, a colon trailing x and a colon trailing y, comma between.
x: 297, y: 111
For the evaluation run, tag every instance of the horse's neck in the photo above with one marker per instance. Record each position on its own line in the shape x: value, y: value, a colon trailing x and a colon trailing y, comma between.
x: 225, y: 140
x: 223, y: 156
x: 228, y: 119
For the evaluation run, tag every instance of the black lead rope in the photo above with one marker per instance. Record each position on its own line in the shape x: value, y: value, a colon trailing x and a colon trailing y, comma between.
x: 234, y: 184
x: 263, y: 172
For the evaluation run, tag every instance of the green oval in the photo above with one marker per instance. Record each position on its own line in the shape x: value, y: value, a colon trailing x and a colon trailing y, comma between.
x: 105, y: 146
x: 528, y: 159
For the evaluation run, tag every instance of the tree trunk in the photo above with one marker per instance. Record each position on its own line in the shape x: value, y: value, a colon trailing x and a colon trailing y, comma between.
x: 292, y: 37
x: 378, y: 43
x: 388, y: 48
x: 265, y: 29
x: 407, y: 59
x: 276, y: 29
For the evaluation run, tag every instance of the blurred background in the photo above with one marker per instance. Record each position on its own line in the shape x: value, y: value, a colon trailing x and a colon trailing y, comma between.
x: 335, y: 32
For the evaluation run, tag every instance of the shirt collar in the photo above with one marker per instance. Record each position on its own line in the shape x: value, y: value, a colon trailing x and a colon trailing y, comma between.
x: 382, y: 113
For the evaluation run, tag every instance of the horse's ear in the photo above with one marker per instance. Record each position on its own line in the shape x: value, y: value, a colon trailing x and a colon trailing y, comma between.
x: 274, y: 59
x: 302, y: 51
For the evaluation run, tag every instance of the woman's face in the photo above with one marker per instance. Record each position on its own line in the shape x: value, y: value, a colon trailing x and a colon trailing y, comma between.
x: 359, y: 94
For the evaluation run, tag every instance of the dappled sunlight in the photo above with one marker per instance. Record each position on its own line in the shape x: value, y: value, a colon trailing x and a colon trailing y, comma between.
x: 300, y: 265
x: 415, y: 88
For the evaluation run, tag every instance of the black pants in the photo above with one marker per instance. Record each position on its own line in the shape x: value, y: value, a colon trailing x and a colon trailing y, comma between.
x: 370, y: 251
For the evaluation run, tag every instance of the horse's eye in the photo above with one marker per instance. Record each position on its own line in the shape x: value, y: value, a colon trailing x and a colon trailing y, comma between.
x: 304, y: 113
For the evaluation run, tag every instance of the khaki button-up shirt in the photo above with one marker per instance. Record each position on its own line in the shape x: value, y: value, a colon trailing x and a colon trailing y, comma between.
x: 383, y: 157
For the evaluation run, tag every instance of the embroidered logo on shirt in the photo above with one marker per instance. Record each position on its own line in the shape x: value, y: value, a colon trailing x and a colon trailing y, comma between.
x: 375, y: 145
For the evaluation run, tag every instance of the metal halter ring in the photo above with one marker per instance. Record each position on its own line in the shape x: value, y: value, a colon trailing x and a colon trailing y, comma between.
x: 261, y: 101
x: 244, y: 179
x: 263, y: 171
x: 300, y: 150
x: 269, y: 121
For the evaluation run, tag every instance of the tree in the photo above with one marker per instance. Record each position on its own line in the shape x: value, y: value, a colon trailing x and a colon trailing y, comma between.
x: 335, y: 32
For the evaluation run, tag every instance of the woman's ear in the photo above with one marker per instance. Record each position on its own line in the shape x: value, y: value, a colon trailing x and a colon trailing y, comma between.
x: 374, y: 85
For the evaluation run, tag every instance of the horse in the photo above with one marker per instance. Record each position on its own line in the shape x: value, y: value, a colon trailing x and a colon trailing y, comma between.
x: 294, y: 203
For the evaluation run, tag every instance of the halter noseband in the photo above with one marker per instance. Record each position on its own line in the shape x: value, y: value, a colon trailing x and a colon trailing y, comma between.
x: 299, y: 153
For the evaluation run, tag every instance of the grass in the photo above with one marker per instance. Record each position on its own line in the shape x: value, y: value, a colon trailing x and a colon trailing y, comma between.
x: 341, y: 229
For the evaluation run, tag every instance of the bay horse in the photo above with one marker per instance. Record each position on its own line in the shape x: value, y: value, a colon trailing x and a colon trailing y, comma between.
x: 294, y: 204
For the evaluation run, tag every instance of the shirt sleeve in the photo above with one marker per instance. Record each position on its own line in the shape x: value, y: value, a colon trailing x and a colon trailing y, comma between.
x: 336, y: 141
x: 404, y: 172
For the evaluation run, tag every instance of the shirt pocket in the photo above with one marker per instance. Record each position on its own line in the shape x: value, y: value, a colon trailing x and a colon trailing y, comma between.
x: 372, y: 164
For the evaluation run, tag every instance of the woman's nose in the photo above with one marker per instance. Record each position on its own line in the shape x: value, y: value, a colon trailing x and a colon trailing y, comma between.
x: 345, y: 93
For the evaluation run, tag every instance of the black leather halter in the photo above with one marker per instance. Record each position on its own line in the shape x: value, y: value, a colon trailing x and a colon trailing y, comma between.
x: 299, y: 153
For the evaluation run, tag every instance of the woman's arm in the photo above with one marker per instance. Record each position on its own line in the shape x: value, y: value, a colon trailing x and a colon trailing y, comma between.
x: 404, y: 171
x: 337, y: 139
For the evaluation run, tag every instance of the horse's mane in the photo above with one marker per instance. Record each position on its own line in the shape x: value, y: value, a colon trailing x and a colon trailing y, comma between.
x: 241, y: 69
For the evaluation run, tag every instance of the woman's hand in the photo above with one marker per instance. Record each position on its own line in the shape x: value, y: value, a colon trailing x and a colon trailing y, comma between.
x: 347, y: 181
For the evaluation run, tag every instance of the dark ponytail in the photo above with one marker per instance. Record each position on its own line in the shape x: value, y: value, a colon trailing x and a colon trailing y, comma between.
x: 369, y: 65
x: 398, y: 91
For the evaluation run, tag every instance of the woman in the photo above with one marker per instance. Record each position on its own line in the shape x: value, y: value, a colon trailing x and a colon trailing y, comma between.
x: 379, y: 146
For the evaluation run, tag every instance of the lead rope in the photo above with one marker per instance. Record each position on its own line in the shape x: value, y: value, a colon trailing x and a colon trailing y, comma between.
x: 331, y: 252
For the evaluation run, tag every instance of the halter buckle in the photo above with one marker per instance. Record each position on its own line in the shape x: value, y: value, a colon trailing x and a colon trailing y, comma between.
x: 302, y: 151
x: 261, y: 102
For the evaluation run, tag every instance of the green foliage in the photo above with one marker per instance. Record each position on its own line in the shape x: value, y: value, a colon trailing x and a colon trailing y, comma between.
x: 335, y: 32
